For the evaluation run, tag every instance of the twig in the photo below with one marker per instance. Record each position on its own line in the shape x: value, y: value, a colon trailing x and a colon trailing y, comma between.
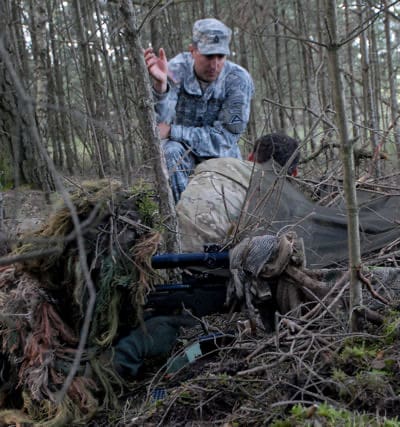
x: 371, y: 289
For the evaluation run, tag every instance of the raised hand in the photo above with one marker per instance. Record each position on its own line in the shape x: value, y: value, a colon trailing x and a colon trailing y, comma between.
x: 158, y: 68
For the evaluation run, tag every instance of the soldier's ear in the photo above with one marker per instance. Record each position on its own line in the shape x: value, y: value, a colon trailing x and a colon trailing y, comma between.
x: 193, y: 49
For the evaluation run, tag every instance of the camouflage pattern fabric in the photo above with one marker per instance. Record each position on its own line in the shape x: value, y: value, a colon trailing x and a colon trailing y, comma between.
x: 210, y: 123
x: 211, y: 205
x: 204, y: 124
x: 211, y: 37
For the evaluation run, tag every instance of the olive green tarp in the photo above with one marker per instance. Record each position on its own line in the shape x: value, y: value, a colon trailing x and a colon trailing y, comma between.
x: 274, y: 205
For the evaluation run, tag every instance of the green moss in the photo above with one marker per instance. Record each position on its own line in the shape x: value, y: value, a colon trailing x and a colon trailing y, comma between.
x: 391, y: 330
x: 6, y: 178
x: 390, y: 364
x: 357, y: 354
x: 339, y: 375
x: 376, y: 381
x: 146, y: 203
x: 329, y: 416
x: 341, y: 380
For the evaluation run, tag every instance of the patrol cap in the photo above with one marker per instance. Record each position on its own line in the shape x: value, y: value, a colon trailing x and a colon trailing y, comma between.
x: 211, y: 37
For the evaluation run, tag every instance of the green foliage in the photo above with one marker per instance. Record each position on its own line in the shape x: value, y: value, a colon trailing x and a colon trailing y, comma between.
x: 391, y: 329
x: 357, y: 354
x: 361, y: 382
x: 390, y: 364
x: 186, y: 397
x: 6, y: 179
x: 146, y: 203
x: 328, y: 416
x: 106, y: 320
x: 339, y: 375
x: 374, y: 381
x: 341, y: 379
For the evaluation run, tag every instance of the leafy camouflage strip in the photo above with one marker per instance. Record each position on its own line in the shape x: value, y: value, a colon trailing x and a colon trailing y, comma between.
x: 43, y: 302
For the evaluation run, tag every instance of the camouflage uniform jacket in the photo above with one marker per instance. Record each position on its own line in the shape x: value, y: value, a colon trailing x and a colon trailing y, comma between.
x: 208, y: 123
x: 210, y: 206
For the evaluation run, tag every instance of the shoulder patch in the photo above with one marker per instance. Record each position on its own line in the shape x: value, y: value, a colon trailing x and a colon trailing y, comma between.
x: 236, y: 119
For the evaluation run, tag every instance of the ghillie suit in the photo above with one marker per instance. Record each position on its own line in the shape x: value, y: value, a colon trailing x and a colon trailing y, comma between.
x: 44, y: 299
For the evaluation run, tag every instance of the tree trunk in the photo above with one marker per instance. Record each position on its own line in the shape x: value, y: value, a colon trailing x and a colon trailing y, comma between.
x: 18, y: 128
x: 251, y: 128
x: 156, y: 31
x: 392, y: 84
x: 348, y: 162
x: 88, y: 84
x: 122, y: 162
x: 279, y: 67
x: 61, y: 118
x: 38, y: 33
x: 307, y: 62
x: 350, y: 60
x: 370, y: 115
x: 289, y: 79
x: 147, y: 122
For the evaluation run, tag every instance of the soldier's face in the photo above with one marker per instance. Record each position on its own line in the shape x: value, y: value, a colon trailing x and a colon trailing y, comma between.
x: 207, y: 67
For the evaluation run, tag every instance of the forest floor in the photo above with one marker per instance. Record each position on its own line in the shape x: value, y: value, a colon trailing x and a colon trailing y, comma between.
x: 310, y: 370
x: 23, y: 210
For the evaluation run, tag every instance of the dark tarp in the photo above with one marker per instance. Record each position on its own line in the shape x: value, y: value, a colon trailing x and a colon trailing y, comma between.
x: 275, y: 205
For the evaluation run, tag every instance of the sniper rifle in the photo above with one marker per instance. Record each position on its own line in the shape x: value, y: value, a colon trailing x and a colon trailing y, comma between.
x: 202, y: 291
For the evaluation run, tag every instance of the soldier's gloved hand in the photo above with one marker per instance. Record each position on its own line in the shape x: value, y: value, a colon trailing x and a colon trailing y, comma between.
x: 155, y: 339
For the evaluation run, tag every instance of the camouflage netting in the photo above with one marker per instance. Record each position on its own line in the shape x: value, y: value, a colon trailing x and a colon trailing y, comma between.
x: 43, y: 302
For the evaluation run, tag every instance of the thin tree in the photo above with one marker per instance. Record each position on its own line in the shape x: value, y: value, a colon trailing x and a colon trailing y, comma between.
x: 348, y: 161
x: 38, y: 35
x: 17, y: 118
x: 147, y: 120
x: 370, y: 113
x: 392, y: 83
x: 350, y: 65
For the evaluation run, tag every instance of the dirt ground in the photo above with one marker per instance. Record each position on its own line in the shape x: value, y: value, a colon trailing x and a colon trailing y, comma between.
x: 23, y: 210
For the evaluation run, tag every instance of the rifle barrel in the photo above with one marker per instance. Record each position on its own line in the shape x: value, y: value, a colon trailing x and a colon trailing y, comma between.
x: 202, y: 259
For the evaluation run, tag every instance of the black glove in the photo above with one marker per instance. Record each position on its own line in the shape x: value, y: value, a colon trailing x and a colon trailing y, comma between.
x: 155, y: 339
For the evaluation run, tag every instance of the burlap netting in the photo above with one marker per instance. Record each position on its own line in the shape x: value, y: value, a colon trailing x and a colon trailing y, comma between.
x: 43, y: 302
x: 253, y: 261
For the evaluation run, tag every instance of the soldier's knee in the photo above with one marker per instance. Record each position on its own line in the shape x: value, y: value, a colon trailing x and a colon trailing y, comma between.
x: 173, y: 149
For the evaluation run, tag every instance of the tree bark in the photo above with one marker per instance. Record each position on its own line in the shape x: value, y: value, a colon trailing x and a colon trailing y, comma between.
x: 370, y: 114
x: 350, y: 60
x: 88, y: 88
x: 279, y: 67
x: 38, y: 33
x: 392, y: 84
x: 18, y: 126
x: 61, y: 118
x: 148, y: 125
x: 348, y: 162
